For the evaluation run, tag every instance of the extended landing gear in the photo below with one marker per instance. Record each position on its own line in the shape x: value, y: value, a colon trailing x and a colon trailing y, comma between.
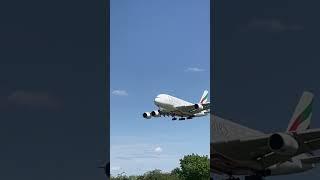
x: 180, y: 119
x: 190, y: 117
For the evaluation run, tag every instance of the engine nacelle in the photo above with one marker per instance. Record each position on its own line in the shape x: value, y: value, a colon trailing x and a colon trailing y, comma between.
x: 146, y: 115
x: 198, y: 106
x: 283, y: 144
x: 155, y: 113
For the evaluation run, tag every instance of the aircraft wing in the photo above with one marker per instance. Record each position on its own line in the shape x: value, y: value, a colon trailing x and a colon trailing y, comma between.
x: 310, y: 139
x: 191, y: 109
x: 311, y: 160
x: 257, y: 148
x: 242, y: 149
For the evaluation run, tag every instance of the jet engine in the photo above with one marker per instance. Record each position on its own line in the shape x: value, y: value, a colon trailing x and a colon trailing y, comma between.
x: 155, y: 113
x: 198, y: 106
x: 147, y: 115
x: 283, y: 144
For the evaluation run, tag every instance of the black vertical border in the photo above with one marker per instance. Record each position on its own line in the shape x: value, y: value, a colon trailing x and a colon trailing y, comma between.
x: 212, y: 52
x: 212, y: 66
x: 212, y: 48
x: 107, y: 82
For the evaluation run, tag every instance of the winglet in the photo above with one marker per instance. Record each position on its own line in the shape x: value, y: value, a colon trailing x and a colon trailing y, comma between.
x: 301, y: 117
x: 204, y: 97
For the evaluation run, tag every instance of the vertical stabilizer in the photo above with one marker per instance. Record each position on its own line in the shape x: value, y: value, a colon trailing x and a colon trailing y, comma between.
x: 204, y: 97
x: 301, y: 118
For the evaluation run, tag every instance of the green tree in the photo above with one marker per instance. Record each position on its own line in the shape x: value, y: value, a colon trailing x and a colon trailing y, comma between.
x: 176, y: 172
x: 192, y: 167
x: 155, y: 175
x: 120, y: 176
x: 133, y: 177
x: 195, y: 167
x: 158, y: 175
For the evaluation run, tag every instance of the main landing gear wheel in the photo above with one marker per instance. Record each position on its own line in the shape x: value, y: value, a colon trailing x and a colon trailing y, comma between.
x: 182, y: 119
x: 173, y: 119
x: 189, y: 117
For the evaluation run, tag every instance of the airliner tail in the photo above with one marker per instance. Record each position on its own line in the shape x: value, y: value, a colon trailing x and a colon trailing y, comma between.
x: 204, y: 97
x: 301, y: 117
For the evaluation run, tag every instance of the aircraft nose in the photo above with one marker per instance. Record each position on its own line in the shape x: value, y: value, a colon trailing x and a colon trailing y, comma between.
x: 158, y: 101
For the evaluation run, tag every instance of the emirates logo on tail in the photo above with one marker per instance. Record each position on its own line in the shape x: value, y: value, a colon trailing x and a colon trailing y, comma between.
x: 204, y: 97
x: 301, y: 118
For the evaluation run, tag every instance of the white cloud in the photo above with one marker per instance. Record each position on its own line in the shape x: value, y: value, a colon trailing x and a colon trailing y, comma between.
x: 194, y: 69
x: 115, y: 168
x: 120, y: 92
x: 158, y: 149
x: 138, y: 157
x: 138, y: 154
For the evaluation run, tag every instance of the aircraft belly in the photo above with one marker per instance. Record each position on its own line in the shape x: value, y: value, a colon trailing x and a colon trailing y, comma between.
x: 289, y: 168
x: 171, y: 109
x: 166, y: 108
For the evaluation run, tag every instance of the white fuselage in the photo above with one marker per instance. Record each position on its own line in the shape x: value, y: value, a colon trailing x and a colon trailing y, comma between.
x: 289, y: 167
x: 168, y: 103
x: 223, y: 165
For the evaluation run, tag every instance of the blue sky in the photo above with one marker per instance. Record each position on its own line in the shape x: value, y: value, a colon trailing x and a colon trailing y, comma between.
x: 156, y: 47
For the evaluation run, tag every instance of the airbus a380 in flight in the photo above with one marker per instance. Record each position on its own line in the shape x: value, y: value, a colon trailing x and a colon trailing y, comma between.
x: 236, y: 150
x: 175, y: 107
